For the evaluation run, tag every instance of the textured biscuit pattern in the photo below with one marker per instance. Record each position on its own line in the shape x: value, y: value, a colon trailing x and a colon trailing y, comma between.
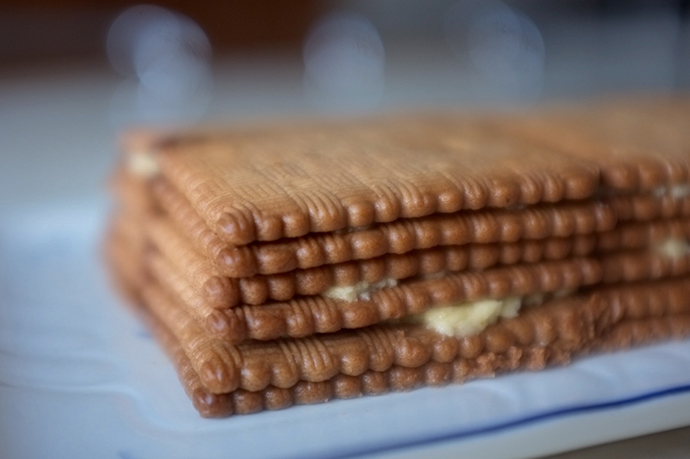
x: 253, y: 365
x: 407, y: 235
x: 314, y: 281
x: 213, y: 321
x: 636, y: 146
x: 207, y: 243
x: 648, y: 207
x: 219, y: 291
x: 614, y: 319
x: 207, y: 404
x: 303, y: 316
x: 247, y: 187
x: 307, y: 315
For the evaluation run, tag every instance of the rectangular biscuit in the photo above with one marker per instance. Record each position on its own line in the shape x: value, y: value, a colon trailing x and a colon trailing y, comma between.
x: 640, y: 145
x: 317, y: 314
x: 549, y: 335
x: 220, y: 292
x: 247, y: 187
x: 412, y: 234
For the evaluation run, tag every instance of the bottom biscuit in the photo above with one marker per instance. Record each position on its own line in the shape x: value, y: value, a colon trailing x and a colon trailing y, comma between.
x: 636, y: 324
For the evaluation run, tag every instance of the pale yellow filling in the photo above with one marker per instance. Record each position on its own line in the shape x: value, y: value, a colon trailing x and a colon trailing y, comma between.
x: 142, y: 164
x: 673, y: 248
x: 468, y: 318
x: 474, y: 316
x: 675, y: 191
x: 359, y: 291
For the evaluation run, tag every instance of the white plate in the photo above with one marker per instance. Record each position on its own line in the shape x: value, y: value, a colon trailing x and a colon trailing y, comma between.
x: 80, y: 377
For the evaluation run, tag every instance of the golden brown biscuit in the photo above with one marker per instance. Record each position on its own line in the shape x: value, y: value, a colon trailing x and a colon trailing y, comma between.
x: 637, y: 145
x: 260, y: 289
x: 405, y: 235
x: 247, y: 186
x: 401, y: 236
x: 613, y: 319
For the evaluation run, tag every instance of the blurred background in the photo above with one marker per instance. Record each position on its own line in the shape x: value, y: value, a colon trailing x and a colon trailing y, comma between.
x: 73, y: 73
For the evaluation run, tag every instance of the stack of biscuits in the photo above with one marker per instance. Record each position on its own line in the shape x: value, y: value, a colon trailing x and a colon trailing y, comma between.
x: 301, y: 262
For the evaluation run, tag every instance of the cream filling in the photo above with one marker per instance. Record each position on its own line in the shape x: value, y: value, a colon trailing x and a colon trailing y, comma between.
x: 454, y: 320
x: 359, y: 291
x: 142, y: 164
x: 474, y: 316
x: 673, y: 248
x: 468, y: 318
x: 675, y: 191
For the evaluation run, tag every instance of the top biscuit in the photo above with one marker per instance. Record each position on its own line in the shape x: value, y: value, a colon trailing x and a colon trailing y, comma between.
x: 637, y: 145
x: 265, y: 184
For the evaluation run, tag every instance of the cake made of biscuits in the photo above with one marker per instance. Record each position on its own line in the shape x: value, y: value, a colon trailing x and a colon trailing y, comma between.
x: 298, y: 262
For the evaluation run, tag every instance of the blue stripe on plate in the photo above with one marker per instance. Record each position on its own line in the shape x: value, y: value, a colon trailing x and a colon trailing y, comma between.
x: 539, y: 417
